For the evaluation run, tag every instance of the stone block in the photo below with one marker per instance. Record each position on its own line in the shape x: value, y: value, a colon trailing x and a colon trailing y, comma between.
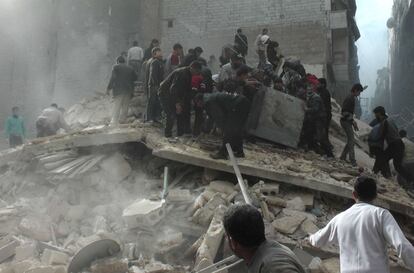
x: 309, y: 227
x: 221, y: 186
x: 52, y: 257
x: 110, y: 265
x: 270, y: 189
x: 296, y: 204
x: 8, y: 250
x: 116, y: 168
x: 307, y: 198
x: 204, y: 215
x: 288, y: 224
x: 144, y: 213
x: 342, y: 176
x: 35, y: 228
x: 41, y: 269
x: 25, y: 252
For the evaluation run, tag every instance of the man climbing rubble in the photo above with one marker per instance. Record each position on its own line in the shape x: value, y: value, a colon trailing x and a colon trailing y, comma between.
x: 349, y: 124
x: 389, y: 133
x: 230, y: 113
x: 122, y: 84
x: 50, y: 121
x: 175, y: 94
x: 245, y: 232
x: 155, y: 77
x: 325, y: 95
x: 363, y: 233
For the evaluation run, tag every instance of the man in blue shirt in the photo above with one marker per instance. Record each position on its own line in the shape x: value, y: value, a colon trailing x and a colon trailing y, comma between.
x: 15, y: 129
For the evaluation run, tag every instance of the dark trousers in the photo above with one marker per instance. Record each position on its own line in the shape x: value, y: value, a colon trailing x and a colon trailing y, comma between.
x: 183, y: 119
x: 136, y: 65
x: 153, y: 105
x: 234, y: 126
x: 43, y: 129
x: 315, y: 133
x: 381, y: 164
x: 15, y: 141
x: 198, y: 120
x: 350, y: 141
x: 328, y: 126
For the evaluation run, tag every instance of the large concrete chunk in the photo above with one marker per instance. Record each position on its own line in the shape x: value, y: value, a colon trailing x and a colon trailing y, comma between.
x: 288, y: 224
x: 281, y: 119
x: 51, y: 257
x: 144, y: 213
x: 8, y: 250
x: 35, y: 228
x: 110, y: 265
x: 116, y: 168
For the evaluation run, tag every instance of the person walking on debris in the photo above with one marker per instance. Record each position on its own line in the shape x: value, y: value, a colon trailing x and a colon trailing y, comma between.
x: 349, y: 124
x: 50, y: 121
x: 122, y: 84
x: 241, y: 43
x: 395, y: 146
x: 363, y: 233
x: 15, y: 128
x: 315, y: 123
x: 175, y: 94
x: 174, y: 59
x: 261, y: 43
x: 325, y: 95
x: 148, y: 51
x: 230, y: 113
x: 273, y: 55
x: 245, y: 231
x: 134, y: 58
x: 156, y: 76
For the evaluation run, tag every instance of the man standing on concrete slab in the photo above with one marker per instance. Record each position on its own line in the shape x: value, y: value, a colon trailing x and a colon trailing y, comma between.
x: 175, y: 94
x: 326, y: 98
x: 122, y: 84
x: 50, y: 121
x: 174, y: 59
x: 135, y: 56
x: 230, y: 113
x: 241, y: 43
x: 245, y: 232
x: 363, y: 234
x: 261, y: 42
x: 148, y: 51
x: 156, y: 76
x: 349, y: 124
x: 15, y: 129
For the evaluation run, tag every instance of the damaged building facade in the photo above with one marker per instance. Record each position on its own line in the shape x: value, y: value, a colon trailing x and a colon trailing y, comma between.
x: 401, y: 26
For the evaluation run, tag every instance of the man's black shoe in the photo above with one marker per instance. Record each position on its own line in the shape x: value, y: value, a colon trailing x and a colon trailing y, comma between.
x: 218, y: 155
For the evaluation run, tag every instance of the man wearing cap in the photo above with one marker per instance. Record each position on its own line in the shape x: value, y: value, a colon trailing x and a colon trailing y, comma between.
x: 349, y: 124
x: 395, y: 146
x: 261, y: 42
x: 364, y: 232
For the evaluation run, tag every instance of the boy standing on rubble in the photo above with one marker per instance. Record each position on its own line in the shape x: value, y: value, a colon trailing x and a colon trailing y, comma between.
x: 349, y: 124
x: 363, y: 233
x: 15, y: 129
x: 245, y: 232
x: 156, y: 75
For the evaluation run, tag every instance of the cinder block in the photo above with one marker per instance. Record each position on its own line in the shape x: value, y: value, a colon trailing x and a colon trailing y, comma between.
x: 52, y: 257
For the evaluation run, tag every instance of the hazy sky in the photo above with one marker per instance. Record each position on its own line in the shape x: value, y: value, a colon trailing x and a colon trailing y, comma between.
x: 371, y: 17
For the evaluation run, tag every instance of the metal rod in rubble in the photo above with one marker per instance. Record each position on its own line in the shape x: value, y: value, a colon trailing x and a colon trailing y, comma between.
x: 165, y: 188
x: 243, y: 186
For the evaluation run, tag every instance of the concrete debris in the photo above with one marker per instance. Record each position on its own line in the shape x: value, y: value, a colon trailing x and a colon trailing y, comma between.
x: 157, y: 267
x: 204, y: 215
x: 116, y: 168
x: 309, y: 227
x: 179, y: 195
x: 8, y: 250
x: 26, y: 251
x: 144, y: 213
x: 342, y: 176
x: 275, y: 201
x: 332, y: 265
x: 52, y: 257
x: 296, y: 204
x: 36, y: 228
x: 110, y: 265
x: 221, y: 186
x: 288, y: 224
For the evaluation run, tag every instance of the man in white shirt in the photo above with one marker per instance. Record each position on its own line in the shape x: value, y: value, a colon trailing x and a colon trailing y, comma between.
x: 50, y: 121
x: 135, y: 56
x: 261, y: 41
x: 363, y: 233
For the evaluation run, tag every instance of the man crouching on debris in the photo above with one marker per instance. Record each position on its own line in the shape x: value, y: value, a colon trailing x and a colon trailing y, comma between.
x: 230, y: 113
x: 245, y: 232
x: 50, y: 121
x: 363, y: 233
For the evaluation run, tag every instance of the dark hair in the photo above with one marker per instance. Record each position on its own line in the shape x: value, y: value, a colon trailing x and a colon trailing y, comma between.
x: 380, y: 110
x: 322, y: 81
x: 357, y: 87
x: 54, y: 105
x: 366, y: 188
x: 155, y: 50
x: 177, y: 46
x: 120, y: 60
x: 198, y: 49
x: 199, y: 97
x: 154, y: 41
x: 135, y: 43
x: 403, y: 133
x: 244, y: 224
x: 239, y: 30
x: 243, y: 70
x: 191, y: 51
x: 265, y: 30
x: 15, y: 108
x: 196, y: 65
x: 236, y: 57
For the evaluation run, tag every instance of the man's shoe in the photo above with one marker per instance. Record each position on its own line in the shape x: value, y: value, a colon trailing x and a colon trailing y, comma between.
x: 239, y: 154
x: 218, y: 155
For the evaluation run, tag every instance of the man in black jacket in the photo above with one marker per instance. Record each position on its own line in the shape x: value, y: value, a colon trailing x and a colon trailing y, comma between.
x: 122, y: 84
x: 156, y: 75
x: 323, y: 92
x: 175, y: 94
x: 230, y: 113
x: 240, y: 42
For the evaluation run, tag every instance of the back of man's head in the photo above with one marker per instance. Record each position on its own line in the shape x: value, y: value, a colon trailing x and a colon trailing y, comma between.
x: 155, y: 50
x: 322, y: 81
x: 135, y: 43
x: 243, y: 71
x: 365, y: 189
x: 379, y: 110
x: 239, y: 30
x: 357, y: 88
x: 120, y: 60
x: 244, y: 224
x: 54, y: 105
x: 196, y: 66
x: 177, y: 46
x: 403, y: 133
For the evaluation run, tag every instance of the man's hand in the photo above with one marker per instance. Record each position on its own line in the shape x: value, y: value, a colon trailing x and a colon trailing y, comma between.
x: 178, y: 108
x: 355, y: 125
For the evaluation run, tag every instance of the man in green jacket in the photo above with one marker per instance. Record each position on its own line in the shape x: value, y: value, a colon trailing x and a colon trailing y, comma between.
x: 15, y: 129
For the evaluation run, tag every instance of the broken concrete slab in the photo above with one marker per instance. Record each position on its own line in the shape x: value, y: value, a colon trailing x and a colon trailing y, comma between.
x: 144, y: 212
x: 296, y: 204
x: 204, y: 215
x: 8, y: 250
x: 26, y: 251
x: 342, y: 176
x: 52, y: 257
x: 110, y: 265
x: 288, y: 224
x: 35, y: 228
